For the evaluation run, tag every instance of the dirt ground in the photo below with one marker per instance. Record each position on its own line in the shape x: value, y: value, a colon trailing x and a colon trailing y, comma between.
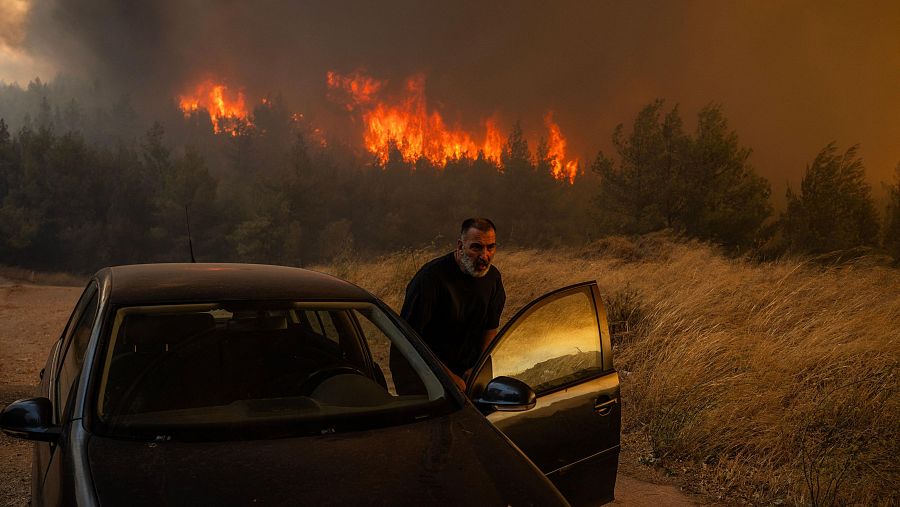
x: 32, y: 318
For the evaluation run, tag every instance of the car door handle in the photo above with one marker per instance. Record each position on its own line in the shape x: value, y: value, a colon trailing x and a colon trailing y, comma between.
x: 605, y: 407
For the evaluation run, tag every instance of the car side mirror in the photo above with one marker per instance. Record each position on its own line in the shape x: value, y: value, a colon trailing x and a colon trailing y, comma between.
x: 506, y: 394
x: 30, y: 419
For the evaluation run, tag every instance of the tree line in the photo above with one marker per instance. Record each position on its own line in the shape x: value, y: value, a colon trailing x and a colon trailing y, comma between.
x: 257, y: 196
x: 74, y: 197
x: 702, y: 185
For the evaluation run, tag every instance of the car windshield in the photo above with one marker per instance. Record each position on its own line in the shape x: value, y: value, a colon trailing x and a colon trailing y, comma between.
x: 223, y: 367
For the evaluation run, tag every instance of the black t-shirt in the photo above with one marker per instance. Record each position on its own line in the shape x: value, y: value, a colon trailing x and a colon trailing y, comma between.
x: 451, y: 310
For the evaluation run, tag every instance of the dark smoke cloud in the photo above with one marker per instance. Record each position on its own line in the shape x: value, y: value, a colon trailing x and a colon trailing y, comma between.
x: 791, y: 76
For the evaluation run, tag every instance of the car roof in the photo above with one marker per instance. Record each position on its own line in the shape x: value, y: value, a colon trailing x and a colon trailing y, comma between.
x: 149, y: 283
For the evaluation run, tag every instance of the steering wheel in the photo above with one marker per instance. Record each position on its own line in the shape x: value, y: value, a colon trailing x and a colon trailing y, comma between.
x: 314, y: 379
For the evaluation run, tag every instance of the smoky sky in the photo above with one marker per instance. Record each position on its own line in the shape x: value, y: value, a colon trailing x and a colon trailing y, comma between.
x: 790, y: 76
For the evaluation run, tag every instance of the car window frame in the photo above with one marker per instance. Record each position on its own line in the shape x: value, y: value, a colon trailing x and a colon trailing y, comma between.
x: 478, y: 379
x: 62, y: 407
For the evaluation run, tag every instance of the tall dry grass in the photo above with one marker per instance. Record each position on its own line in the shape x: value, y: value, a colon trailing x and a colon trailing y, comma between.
x: 768, y: 383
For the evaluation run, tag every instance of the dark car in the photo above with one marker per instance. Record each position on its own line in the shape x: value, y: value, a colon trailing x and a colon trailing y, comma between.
x: 230, y: 384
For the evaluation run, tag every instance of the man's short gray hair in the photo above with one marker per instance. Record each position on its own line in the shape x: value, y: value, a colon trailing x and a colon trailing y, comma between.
x: 481, y: 224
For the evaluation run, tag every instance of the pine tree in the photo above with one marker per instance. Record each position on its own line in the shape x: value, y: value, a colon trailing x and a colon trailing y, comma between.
x: 834, y: 209
x: 700, y: 185
x: 892, y: 224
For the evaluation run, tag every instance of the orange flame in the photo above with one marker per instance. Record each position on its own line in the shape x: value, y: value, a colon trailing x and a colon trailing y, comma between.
x: 559, y: 166
x: 407, y: 125
x: 493, y: 140
x: 360, y: 89
x: 227, y: 110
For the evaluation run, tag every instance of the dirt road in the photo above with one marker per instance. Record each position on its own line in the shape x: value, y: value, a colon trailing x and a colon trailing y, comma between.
x: 32, y: 318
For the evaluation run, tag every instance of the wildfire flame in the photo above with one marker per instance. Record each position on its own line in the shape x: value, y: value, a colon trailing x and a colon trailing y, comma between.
x: 556, y: 150
x: 361, y: 89
x: 226, y: 109
x: 405, y: 124
x: 408, y: 125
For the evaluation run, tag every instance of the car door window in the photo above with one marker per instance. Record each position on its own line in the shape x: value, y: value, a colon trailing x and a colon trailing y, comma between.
x: 323, y: 324
x: 75, y: 348
x: 553, y: 343
x: 379, y: 347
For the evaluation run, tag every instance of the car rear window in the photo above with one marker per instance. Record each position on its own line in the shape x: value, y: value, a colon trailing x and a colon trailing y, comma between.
x: 244, y: 367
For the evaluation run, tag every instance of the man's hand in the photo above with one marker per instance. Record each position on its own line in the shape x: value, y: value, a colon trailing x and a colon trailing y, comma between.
x: 487, y: 339
x: 460, y: 383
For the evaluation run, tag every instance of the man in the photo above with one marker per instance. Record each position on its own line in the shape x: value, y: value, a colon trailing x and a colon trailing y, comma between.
x: 454, y: 302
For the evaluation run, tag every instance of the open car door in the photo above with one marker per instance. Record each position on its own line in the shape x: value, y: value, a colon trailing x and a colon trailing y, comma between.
x: 560, y: 346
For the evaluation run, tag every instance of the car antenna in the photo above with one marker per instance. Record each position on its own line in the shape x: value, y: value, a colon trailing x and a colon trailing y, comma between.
x: 187, y: 218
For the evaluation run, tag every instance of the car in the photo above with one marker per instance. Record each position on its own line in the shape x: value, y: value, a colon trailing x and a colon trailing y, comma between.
x: 237, y: 384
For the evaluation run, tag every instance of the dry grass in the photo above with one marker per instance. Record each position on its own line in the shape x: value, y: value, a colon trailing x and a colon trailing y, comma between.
x: 763, y: 383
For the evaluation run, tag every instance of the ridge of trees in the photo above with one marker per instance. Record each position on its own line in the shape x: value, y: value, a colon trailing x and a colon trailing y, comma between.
x: 67, y: 204
x: 74, y: 197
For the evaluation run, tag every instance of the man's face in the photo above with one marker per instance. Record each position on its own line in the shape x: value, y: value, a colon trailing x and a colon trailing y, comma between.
x: 475, y: 250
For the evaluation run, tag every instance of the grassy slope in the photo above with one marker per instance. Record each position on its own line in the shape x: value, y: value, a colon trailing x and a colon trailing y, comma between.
x: 760, y: 382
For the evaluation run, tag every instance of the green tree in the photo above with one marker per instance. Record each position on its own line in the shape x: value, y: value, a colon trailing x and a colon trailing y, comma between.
x: 892, y: 224
x: 9, y: 166
x: 701, y: 185
x: 644, y: 191
x: 723, y: 199
x: 834, y: 209
x: 157, y: 158
x: 523, y: 198
x: 19, y: 225
x: 516, y: 157
x: 187, y: 189
x: 273, y: 125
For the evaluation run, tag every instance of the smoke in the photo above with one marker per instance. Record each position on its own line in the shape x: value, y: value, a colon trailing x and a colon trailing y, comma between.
x: 12, y: 29
x: 790, y: 76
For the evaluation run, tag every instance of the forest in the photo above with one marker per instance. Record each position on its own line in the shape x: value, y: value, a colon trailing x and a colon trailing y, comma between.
x: 87, y: 183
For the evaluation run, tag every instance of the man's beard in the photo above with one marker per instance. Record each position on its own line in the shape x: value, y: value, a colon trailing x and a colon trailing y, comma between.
x: 469, y: 266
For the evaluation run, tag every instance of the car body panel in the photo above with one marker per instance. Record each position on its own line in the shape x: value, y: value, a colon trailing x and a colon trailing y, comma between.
x: 563, y: 434
x: 52, y: 461
x: 574, y: 428
x: 450, y: 460
x: 151, y: 283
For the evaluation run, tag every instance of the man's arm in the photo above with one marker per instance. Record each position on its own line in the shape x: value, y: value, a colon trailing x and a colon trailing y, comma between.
x: 486, y: 341
x: 460, y: 383
x: 488, y: 338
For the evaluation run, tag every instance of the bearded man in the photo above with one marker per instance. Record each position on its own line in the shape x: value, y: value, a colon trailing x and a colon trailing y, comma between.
x: 454, y: 302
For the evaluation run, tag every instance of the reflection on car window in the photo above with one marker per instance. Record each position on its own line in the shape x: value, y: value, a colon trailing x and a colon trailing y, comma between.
x: 248, y: 363
x: 557, y: 343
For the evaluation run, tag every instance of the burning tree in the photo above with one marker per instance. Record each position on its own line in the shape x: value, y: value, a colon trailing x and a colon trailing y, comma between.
x: 407, y: 125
